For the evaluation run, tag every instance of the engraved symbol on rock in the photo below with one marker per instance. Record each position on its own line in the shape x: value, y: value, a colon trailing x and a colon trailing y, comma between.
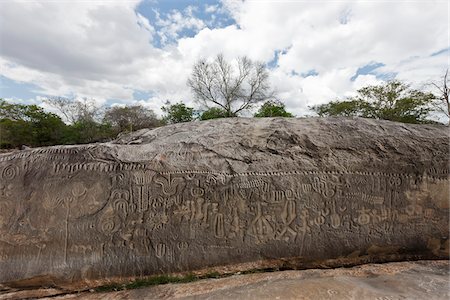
x: 215, y: 178
x: 198, y: 208
x: 277, y: 196
x: 395, y: 181
x: 236, y: 229
x: 306, y: 188
x: 304, y: 228
x: 84, y: 201
x: 121, y: 203
x: 182, y: 245
x: 288, y: 216
x: 146, y: 244
x: 157, y: 220
x: 10, y: 172
x: 260, y: 226
x: 5, y: 190
x: 169, y: 185
x: 428, y: 213
x: 290, y: 195
x: 323, y: 188
x: 320, y: 220
x: 109, y: 223
x: 335, y: 217
x: 117, y: 179
x: 335, y: 221
x: 160, y: 250
x: 364, y: 217
x: 219, y: 231
x: 143, y: 180
x: 197, y: 192
x: 78, y: 189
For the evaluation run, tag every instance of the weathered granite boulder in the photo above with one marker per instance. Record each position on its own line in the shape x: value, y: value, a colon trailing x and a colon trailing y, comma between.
x: 225, y: 192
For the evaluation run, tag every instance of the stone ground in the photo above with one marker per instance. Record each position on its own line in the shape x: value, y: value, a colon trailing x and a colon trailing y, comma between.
x: 399, y: 280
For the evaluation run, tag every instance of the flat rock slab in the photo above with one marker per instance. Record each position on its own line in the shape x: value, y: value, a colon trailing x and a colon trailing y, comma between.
x: 402, y: 280
x: 294, y: 192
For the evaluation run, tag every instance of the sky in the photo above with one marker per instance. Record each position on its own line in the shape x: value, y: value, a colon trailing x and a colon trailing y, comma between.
x: 142, y: 52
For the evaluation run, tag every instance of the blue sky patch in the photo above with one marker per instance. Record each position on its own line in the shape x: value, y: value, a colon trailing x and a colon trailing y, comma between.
x: 17, y: 90
x: 367, y: 69
x: 310, y: 73
x: 141, y: 95
x: 386, y: 76
x: 210, y: 12
x: 443, y: 51
x: 274, y: 62
x: 345, y: 16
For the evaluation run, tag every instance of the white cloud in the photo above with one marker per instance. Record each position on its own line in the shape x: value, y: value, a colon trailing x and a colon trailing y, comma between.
x: 87, y: 48
x: 338, y: 38
x: 104, y: 49
x: 174, y: 23
x: 211, y: 8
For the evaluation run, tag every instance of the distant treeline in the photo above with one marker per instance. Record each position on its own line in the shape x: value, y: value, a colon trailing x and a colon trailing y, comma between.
x: 86, y: 122
x: 82, y: 121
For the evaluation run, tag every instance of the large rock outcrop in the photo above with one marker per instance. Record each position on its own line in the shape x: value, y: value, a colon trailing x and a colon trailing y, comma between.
x: 225, y: 192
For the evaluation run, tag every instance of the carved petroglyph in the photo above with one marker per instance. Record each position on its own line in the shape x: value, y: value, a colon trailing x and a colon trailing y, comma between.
x: 219, y: 231
x: 323, y: 187
x: 160, y: 250
x: 215, y: 179
x: 155, y: 207
x: 288, y: 216
x: 169, y: 185
x: 109, y: 222
x: 9, y: 172
x: 121, y: 202
x: 261, y: 227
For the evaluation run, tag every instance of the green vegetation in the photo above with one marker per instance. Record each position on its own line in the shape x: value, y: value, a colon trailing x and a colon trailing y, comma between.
x: 31, y: 126
x: 394, y: 101
x: 84, y: 121
x: 272, y: 109
x: 214, y: 113
x: 130, y: 118
x: 165, y: 279
x: 178, y: 113
x: 156, y: 280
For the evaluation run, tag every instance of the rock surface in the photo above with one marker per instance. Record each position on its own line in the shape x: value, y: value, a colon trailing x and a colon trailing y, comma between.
x: 400, y: 280
x: 296, y: 192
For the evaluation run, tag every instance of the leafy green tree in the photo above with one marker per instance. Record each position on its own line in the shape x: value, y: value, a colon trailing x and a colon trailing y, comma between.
x: 89, y: 131
x: 214, y: 113
x: 29, y: 125
x: 84, y: 117
x: 272, y: 109
x: 177, y: 113
x: 394, y: 101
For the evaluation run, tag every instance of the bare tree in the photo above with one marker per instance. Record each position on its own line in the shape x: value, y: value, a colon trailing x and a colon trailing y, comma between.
x: 218, y: 84
x: 75, y: 110
x: 131, y: 118
x: 442, y: 88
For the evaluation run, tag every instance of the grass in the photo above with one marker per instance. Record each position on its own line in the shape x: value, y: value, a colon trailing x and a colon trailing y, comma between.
x: 165, y: 279
x: 156, y: 280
